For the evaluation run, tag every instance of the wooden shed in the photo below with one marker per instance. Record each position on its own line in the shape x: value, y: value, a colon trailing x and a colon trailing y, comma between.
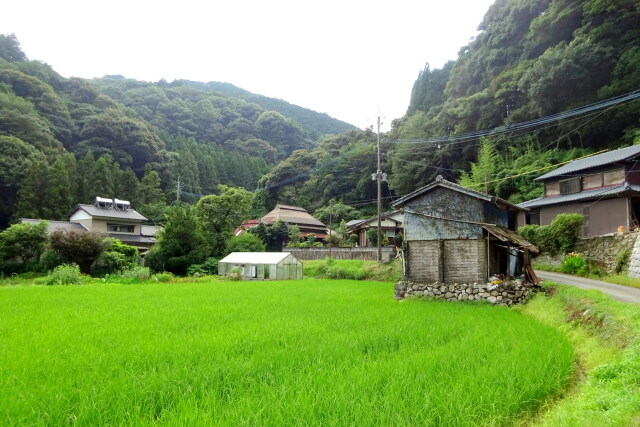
x: 262, y: 265
x: 457, y: 235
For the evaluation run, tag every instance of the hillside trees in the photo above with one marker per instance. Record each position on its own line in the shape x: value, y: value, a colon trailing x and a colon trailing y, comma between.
x: 531, y: 59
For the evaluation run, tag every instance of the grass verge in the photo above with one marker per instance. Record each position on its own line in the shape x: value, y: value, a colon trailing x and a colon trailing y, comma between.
x: 330, y: 268
x: 617, y: 279
x: 606, y: 337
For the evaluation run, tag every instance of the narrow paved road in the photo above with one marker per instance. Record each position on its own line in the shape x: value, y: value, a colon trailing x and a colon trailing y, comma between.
x: 617, y: 292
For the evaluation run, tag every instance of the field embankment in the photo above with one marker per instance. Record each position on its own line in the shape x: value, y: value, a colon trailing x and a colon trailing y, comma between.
x: 606, y: 337
x: 269, y: 353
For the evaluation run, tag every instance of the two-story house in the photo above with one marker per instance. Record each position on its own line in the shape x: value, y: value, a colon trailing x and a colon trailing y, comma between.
x: 112, y: 217
x: 604, y: 188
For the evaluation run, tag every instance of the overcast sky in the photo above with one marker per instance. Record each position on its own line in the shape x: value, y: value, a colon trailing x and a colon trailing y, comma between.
x: 347, y: 58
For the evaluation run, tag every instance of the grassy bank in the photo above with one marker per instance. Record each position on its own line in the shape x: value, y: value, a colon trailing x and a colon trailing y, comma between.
x: 606, y: 337
x: 354, y: 269
x: 322, y: 352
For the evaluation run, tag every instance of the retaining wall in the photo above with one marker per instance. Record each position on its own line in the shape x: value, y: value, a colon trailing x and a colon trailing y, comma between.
x: 505, y: 293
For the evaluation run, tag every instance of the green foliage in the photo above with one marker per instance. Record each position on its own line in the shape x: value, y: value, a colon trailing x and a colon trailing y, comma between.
x: 138, y: 272
x: 245, y: 242
x: 81, y: 248
x: 336, y: 212
x: 180, y: 244
x: 573, y: 264
x: 561, y: 235
x: 207, y: 268
x: 65, y: 274
x: 23, y: 242
x: 49, y: 260
x: 622, y: 260
x: 10, y: 49
x: 273, y: 236
x: 235, y: 274
x: 372, y: 236
x: 566, y: 230
x: 164, y: 277
x: 330, y: 268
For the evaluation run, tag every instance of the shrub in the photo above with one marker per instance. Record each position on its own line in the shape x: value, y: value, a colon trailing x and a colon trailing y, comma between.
x: 235, y: 274
x: 573, y: 264
x: 622, y: 260
x: 136, y: 272
x: 65, y: 274
x: 209, y: 267
x: 565, y: 229
x: 49, y: 260
x: 164, y: 277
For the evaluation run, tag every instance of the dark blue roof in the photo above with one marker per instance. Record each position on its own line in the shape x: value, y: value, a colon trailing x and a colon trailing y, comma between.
x: 599, y: 193
x: 593, y: 161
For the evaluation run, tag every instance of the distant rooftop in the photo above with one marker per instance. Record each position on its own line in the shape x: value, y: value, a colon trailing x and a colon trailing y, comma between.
x: 294, y: 215
x: 594, y: 161
x: 56, y: 225
x: 109, y: 212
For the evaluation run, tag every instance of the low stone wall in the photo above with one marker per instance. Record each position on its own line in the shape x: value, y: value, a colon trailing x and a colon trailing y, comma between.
x: 505, y: 293
x: 603, y: 250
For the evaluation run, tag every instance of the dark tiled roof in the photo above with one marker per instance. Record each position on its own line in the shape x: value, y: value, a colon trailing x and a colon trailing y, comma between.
x: 293, y: 215
x: 441, y: 182
x: 109, y: 212
x: 56, y: 225
x: 150, y: 230
x: 598, y: 193
x: 593, y: 161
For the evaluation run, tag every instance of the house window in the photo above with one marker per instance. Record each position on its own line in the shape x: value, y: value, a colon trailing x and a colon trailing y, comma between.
x: 570, y: 186
x: 533, y: 218
x: 614, y: 177
x: 552, y: 189
x: 592, y: 181
x: 121, y: 228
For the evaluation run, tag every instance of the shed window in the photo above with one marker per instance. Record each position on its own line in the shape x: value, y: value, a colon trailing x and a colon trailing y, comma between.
x: 570, y: 186
x: 121, y: 228
x: 614, y: 177
x: 592, y: 181
x: 552, y: 189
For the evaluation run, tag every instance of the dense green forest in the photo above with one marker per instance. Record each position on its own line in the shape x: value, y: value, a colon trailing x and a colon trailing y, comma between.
x: 66, y: 140
x: 531, y: 59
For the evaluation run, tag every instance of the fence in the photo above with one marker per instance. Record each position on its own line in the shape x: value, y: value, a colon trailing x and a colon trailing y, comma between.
x: 367, y: 254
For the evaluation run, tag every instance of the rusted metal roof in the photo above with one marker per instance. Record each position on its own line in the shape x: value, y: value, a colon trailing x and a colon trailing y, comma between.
x: 293, y: 215
x: 510, y: 236
x: 441, y: 182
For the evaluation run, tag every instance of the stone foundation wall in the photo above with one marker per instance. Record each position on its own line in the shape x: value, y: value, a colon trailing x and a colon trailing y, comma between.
x: 602, y: 249
x: 505, y: 293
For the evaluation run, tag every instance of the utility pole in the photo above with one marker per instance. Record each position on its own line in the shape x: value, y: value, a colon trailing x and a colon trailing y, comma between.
x: 330, y: 224
x: 178, y: 191
x: 379, y: 180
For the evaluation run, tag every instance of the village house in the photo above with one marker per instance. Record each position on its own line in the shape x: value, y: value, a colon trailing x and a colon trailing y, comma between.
x: 292, y: 215
x: 112, y: 217
x: 390, y: 225
x: 457, y: 235
x: 604, y: 188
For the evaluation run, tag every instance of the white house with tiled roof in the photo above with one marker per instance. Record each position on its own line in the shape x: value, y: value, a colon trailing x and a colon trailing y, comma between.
x: 112, y: 217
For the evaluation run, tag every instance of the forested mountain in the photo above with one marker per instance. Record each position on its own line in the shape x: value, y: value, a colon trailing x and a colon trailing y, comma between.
x: 532, y: 59
x: 64, y: 141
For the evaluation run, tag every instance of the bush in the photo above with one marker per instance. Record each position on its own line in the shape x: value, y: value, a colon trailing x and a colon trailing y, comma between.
x: 622, y: 260
x: 164, y: 277
x: 136, y: 272
x: 50, y: 259
x: 207, y: 268
x: 565, y: 229
x: 559, y: 236
x: 235, y: 274
x: 65, y: 274
x: 573, y: 264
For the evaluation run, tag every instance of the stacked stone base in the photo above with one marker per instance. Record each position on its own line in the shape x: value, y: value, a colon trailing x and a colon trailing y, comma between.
x: 504, y: 293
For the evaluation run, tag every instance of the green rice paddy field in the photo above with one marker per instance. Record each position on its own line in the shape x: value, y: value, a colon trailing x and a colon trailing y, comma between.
x: 310, y: 352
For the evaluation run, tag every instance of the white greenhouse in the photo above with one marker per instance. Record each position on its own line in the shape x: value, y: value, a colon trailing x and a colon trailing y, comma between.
x: 262, y: 265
